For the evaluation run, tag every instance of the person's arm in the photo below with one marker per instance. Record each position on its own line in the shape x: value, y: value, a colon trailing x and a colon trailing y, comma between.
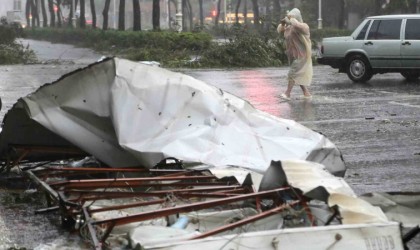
x: 282, y: 26
x: 301, y: 27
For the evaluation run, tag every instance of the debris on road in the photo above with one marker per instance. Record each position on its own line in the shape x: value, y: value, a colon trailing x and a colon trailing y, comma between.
x: 131, y: 114
x: 133, y: 155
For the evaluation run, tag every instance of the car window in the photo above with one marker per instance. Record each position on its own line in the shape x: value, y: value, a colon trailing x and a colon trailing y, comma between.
x: 385, y: 30
x: 362, y: 33
x: 412, y: 30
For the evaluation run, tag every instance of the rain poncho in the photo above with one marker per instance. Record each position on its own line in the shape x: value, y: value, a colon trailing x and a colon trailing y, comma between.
x: 298, y: 48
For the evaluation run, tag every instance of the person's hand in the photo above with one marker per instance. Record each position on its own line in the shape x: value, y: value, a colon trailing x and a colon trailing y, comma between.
x: 283, y: 22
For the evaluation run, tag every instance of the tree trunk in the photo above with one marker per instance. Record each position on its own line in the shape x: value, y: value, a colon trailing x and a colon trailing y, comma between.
x: 82, y: 19
x: 200, y: 3
x: 216, y: 20
x: 341, y: 14
x: 238, y: 5
x: 246, y: 12
x: 44, y: 14
x: 277, y: 11
x: 37, y: 19
x: 184, y: 14
x: 377, y: 7
x: 59, y: 23
x: 105, y: 14
x: 136, y: 15
x: 156, y: 15
x: 256, y: 14
x: 52, y: 14
x: 121, y: 16
x: 33, y: 13
x: 412, y: 6
x: 28, y: 13
x: 268, y: 15
x: 190, y: 15
x: 93, y: 11
x: 71, y: 14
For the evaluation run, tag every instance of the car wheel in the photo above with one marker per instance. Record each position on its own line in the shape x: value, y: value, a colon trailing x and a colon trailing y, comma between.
x: 410, y: 76
x: 358, y: 69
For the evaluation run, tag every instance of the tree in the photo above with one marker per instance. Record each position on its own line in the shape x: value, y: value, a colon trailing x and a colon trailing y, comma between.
x: 184, y: 13
x: 246, y: 12
x: 341, y: 13
x: 82, y: 18
x: 59, y: 23
x: 105, y: 14
x: 121, y: 16
x: 28, y: 13
x: 200, y: 5
x: 190, y: 13
x: 93, y: 11
x: 216, y: 20
x: 238, y: 5
x: 136, y: 15
x: 277, y: 15
x: 52, y: 13
x: 156, y: 15
x: 33, y: 13
x: 256, y: 10
x: 36, y: 13
x: 44, y: 14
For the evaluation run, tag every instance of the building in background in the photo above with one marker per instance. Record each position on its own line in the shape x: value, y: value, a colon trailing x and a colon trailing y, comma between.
x: 13, y: 10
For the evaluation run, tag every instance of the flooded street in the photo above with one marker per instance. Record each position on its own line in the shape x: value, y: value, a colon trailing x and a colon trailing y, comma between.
x: 375, y: 125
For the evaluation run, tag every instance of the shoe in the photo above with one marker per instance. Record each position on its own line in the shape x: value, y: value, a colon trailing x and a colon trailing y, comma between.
x: 307, y: 97
x: 284, y: 96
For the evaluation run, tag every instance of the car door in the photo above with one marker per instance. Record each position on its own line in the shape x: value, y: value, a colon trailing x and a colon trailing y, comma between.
x: 410, y: 46
x: 383, y: 43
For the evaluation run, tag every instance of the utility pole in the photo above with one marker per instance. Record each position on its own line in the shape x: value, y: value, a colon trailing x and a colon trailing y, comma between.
x: 178, y: 15
x: 114, y: 15
x: 319, y: 14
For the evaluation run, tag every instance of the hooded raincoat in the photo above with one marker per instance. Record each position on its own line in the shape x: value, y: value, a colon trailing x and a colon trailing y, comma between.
x: 298, y: 48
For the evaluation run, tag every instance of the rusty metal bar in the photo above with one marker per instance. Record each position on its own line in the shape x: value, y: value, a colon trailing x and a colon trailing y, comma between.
x: 119, y: 207
x: 87, y: 170
x: 245, y: 221
x: 126, y: 181
x: 42, y: 184
x: 219, y: 188
x: 185, y: 208
x: 88, y: 219
x: 97, y: 195
x: 147, y: 184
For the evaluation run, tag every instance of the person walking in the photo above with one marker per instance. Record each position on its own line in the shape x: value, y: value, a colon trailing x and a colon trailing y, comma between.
x: 299, y: 52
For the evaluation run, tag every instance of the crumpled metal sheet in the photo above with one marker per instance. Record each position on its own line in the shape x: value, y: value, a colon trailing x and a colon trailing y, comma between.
x: 128, y: 114
x: 403, y: 207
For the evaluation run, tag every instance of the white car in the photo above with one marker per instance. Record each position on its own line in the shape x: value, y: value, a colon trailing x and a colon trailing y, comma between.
x: 380, y: 44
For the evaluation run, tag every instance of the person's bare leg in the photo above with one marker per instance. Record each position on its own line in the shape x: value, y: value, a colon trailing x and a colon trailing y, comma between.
x: 305, y: 91
x: 289, y: 88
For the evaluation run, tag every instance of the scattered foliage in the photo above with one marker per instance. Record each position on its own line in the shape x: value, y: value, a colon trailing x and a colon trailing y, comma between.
x: 12, y: 52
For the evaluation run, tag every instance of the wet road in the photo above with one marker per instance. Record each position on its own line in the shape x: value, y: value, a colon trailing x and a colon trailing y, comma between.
x: 375, y: 125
